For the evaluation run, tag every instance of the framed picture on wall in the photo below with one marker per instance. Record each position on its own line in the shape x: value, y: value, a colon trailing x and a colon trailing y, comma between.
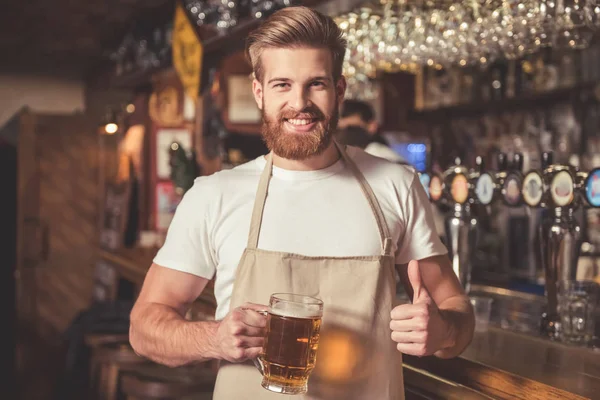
x: 164, y: 140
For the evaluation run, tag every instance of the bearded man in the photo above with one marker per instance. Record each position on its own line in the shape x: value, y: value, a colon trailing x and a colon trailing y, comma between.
x: 314, y: 218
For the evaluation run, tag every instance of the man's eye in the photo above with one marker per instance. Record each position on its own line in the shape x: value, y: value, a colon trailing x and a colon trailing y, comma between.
x: 281, y: 85
x: 317, y: 84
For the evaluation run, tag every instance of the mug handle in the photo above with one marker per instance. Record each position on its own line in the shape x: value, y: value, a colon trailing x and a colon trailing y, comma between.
x: 258, y: 361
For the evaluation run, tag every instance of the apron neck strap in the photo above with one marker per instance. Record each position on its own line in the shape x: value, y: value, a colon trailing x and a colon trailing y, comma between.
x: 384, y: 232
x: 259, y: 203
x: 263, y: 186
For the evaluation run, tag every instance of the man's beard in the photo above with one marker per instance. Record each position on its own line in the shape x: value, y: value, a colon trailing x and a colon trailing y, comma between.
x: 299, y: 146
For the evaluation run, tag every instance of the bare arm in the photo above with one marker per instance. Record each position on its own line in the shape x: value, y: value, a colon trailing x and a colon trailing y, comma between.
x: 158, y: 328
x: 441, y: 283
x: 159, y: 331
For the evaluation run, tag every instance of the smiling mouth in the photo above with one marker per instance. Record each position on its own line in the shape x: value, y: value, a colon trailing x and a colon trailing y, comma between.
x: 300, y: 124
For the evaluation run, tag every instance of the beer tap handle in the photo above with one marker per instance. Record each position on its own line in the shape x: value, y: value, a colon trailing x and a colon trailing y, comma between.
x: 479, y: 164
x: 591, y: 188
x: 518, y: 162
x: 547, y: 159
x: 502, y: 162
x: 511, y: 183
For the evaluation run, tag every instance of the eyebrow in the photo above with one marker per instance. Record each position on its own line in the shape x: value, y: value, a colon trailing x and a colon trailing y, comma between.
x: 316, y: 78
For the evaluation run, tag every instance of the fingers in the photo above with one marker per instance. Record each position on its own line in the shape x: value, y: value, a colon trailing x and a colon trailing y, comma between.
x: 240, y: 354
x: 251, y: 331
x: 410, y: 337
x: 252, y: 352
x: 408, y: 325
x: 254, y: 306
x: 243, y: 319
x: 414, y: 349
x: 254, y: 318
x: 248, y: 342
x: 407, y: 311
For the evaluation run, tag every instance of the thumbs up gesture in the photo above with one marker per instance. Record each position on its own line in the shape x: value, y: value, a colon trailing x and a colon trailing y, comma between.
x: 419, y: 328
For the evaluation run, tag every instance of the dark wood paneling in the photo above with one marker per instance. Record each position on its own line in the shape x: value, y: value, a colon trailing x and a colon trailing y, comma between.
x: 8, y: 245
x: 72, y: 36
x: 68, y: 174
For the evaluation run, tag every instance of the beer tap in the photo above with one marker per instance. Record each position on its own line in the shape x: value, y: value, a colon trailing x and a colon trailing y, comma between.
x: 512, y: 183
x: 485, y: 183
x: 453, y: 188
x: 505, y: 183
x: 560, y: 233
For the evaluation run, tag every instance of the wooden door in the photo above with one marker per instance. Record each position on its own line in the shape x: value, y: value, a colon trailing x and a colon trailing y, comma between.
x: 8, y: 228
x: 67, y: 154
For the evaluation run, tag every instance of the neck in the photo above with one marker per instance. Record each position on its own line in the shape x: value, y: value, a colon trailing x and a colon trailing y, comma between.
x: 313, y: 163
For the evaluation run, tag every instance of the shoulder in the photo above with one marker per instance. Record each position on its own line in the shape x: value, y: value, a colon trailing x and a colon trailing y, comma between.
x: 380, y: 170
x: 211, y: 187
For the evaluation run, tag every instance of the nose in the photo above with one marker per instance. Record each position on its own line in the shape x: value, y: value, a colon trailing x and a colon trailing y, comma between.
x: 299, y: 99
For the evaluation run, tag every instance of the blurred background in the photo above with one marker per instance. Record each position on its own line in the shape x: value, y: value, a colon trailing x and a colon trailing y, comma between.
x: 109, y: 110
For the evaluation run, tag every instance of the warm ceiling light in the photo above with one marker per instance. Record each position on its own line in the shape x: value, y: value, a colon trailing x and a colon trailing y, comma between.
x: 111, y: 128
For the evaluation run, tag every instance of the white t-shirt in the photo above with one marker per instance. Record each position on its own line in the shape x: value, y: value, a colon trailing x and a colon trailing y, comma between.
x: 313, y: 213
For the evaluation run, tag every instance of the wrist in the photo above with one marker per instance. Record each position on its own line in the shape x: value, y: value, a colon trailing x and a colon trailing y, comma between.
x: 450, y: 330
x: 207, y: 344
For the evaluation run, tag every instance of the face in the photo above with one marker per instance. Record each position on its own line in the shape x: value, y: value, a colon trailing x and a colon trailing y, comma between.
x: 299, y: 101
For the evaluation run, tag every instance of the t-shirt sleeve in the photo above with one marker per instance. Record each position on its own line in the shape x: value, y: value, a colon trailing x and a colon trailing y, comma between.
x: 188, y: 246
x: 420, y: 239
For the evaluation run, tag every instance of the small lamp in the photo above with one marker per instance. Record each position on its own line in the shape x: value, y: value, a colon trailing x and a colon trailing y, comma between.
x: 111, y: 125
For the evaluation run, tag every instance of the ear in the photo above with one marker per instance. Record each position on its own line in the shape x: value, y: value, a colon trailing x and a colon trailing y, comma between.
x: 257, y: 90
x: 340, y: 89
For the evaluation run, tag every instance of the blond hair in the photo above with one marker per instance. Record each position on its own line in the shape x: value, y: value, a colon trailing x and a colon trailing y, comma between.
x: 294, y: 27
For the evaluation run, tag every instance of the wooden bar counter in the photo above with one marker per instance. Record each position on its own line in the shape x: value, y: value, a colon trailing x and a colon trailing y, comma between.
x: 132, y: 265
x: 508, y: 365
x: 499, y: 364
x: 510, y: 360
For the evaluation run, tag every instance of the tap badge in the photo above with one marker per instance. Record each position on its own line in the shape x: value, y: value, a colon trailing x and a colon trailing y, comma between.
x: 532, y: 189
x: 425, y: 180
x: 459, y: 188
x: 512, y: 190
x: 484, y: 189
x: 435, y: 188
x: 592, y: 188
x: 561, y: 189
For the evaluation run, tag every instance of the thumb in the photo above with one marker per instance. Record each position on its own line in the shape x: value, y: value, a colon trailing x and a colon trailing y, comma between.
x: 420, y: 293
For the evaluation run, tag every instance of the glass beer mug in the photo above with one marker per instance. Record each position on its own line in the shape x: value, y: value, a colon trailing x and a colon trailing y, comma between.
x: 290, y: 347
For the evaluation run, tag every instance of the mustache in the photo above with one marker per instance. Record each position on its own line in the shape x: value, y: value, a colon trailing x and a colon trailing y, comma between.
x: 307, y: 113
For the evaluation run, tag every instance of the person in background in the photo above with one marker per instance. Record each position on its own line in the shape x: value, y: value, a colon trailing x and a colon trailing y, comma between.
x: 358, y: 127
x: 311, y: 217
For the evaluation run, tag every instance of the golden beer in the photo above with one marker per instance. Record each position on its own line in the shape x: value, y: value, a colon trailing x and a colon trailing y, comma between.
x: 291, y: 343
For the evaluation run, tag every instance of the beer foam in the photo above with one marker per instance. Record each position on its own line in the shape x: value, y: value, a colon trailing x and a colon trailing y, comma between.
x: 294, y: 310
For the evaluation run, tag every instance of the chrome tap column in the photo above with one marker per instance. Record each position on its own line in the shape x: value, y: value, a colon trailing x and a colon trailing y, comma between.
x: 454, y: 189
x: 560, y: 236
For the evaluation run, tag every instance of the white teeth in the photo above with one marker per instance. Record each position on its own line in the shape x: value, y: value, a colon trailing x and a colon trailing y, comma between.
x: 299, y: 121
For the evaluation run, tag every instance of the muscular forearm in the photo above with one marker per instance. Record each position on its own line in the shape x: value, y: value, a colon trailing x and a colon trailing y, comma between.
x: 161, y: 334
x: 458, y: 314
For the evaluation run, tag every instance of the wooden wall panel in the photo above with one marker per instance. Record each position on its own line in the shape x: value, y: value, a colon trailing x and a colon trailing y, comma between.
x: 68, y: 173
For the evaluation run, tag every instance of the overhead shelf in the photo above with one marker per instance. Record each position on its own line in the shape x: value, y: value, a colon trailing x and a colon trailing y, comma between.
x: 523, y: 102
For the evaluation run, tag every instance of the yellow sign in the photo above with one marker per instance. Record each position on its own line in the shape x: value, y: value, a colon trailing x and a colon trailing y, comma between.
x: 187, y: 53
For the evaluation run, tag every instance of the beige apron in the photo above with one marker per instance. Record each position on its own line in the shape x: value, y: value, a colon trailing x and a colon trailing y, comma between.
x: 356, y: 359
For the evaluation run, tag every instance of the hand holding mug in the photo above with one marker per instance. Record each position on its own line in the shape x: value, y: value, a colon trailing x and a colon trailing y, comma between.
x: 240, y: 335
